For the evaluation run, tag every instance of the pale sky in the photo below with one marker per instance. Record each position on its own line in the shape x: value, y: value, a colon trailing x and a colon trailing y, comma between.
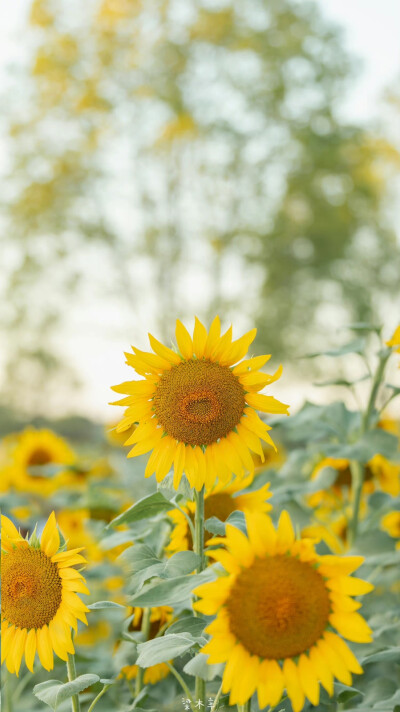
x: 371, y: 34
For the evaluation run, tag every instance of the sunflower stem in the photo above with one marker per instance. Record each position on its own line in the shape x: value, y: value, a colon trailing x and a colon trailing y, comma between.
x: 183, y: 685
x: 216, y: 700
x: 357, y: 468
x: 71, y: 669
x: 96, y: 699
x: 200, y: 685
x: 145, y: 628
x: 8, y: 692
x: 246, y: 707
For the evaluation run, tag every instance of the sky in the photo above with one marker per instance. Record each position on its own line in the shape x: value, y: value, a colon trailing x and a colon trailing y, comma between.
x: 370, y: 30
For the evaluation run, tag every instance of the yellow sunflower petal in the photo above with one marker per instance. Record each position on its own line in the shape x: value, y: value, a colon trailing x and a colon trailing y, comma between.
x: 271, y: 684
x: 335, y: 662
x: 350, y: 585
x: 183, y: 340
x: 344, y: 652
x: 308, y: 679
x: 251, y: 364
x: 322, y: 671
x: 44, y: 648
x: 163, y: 351
x: 50, y: 539
x: 213, y: 337
x: 199, y: 338
x: 18, y: 648
x: 30, y: 649
x: 243, y: 686
x: 292, y: 684
x: 352, y: 626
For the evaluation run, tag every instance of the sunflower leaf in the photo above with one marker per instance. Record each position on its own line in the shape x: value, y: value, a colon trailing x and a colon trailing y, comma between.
x: 198, y: 667
x: 170, y: 591
x: 54, y: 692
x: 104, y: 604
x: 160, y: 650
x: 145, y: 508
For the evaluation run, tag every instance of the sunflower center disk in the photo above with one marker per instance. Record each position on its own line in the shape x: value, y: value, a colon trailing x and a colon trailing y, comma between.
x: 198, y: 402
x: 278, y: 607
x: 40, y: 456
x: 31, y: 588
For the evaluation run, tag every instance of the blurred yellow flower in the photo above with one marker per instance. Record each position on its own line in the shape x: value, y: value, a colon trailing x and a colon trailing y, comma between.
x: 395, y: 340
x: 31, y: 450
x: 391, y: 523
x: 196, y: 410
x: 39, y: 596
x: 275, y: 611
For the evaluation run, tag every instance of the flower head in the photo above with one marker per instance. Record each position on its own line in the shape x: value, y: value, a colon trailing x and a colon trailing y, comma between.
x: 196, y: 409
x: 274, y: 612
x: 39, y: 596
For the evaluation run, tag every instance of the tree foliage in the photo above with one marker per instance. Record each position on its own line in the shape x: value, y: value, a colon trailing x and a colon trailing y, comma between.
x: 163, y: 144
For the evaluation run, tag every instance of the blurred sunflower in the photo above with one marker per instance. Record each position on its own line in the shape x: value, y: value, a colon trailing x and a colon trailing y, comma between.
x: 195, y: 409
x: 274, y: 610
x: 379, y: 473
x: 333, y: 531
x: 35, y: 449
x: 220, y: 503
x: 74, y: 526
x: 391, y: 524
x: 394, y: 342
x: 159, y: 617
x: 39, y: 596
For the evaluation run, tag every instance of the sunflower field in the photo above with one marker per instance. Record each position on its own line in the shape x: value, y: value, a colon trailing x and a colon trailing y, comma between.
x: 208, y: 552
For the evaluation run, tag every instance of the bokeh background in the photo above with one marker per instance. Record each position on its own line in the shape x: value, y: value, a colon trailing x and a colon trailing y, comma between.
x: 169, y: 157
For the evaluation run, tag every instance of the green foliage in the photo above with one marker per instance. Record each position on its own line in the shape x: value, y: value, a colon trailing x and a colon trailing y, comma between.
x: 53, y: 692
x: 238, y: 149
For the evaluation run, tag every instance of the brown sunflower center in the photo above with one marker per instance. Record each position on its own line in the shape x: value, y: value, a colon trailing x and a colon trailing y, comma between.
x: 198, y: 402
x: 344, y: 477
x: 40, y: 456
x: 278, y: 607
x: 30, y: 587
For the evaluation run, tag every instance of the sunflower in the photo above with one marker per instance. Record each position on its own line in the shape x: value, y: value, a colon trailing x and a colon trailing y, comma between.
x: 39, y: 596
x: 276, y: 608
x: 379, y: 473
x: 196, y: 409
x: 159, y: 617
x: 220, y: 503
x: 35, y: 449
x: 394, y: 342
x: 391, y: 524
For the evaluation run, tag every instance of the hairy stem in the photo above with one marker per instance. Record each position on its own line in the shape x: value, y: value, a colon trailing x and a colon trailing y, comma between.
x: 96, y: 699
x: 183, y: 685
x: 217, y: 696
x: 145, y: 630
x: 200, y: 686
x: 357, y: 468
x: 71, y: 669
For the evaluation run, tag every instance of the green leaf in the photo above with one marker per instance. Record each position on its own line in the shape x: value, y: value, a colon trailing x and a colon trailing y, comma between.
x: 172, y: 591
x: 383, y: 656
x: 357, y: 346
x: 166, y: 487
x: 146, y: 508
x: 364, y: 326
x: 198, y: 667
x: 54, y: 692
x: 160, y: 650
x: 372, y: 443
x: 181, y: 563
x: 99, y: 605
x: 189, y: 624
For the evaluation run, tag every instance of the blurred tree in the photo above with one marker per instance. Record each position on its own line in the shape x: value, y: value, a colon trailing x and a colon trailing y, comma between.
x: 167, y: 148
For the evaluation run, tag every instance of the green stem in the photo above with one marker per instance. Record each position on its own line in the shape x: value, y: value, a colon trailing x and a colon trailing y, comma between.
x: 145, y: 630
x: 187, y: 517
x: 183, y: 685
x: 215, y: 703
x: 76, y: 705
x: 246, y: 707
x: 374, y: 390
x: 96, y: 699
x: 357, y: 469
x: 9, y: 694
x: 199, y: 529
x: 200, y: 685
